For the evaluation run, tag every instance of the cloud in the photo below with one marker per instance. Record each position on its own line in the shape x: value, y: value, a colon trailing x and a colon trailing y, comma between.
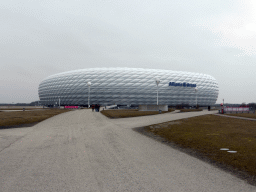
x: 235, y: 29
x: 41, y: 38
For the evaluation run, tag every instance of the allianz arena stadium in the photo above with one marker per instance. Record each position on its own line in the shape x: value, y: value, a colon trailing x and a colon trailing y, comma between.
x: 128, y: 86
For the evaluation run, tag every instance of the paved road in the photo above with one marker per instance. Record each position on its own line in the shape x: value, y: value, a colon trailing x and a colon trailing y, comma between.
x: 85, y: 151
x: 149, y: 120
x: 236, y: 117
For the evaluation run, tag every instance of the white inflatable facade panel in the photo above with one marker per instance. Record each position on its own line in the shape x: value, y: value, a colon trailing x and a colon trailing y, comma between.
x: 128, y: 86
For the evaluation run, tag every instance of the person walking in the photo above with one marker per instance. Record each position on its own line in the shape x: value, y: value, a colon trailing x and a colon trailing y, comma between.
x: 93, y: 106
x: 97, y: 107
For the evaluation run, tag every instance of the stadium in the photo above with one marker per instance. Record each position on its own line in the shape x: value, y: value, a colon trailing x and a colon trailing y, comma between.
x: 128, y: 86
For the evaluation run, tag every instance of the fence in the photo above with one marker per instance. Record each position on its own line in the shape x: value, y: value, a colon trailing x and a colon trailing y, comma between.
x: 237, y: 109
x: 71, y: 107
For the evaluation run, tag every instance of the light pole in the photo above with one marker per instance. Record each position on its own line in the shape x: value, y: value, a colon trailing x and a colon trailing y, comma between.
x: 89, y: 85
x: 59, y: 102
x: 196, y: 96
x: 157, y: 82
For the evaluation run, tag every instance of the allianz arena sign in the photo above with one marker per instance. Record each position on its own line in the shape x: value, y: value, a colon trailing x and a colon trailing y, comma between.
x: 128, y: 86
x: 181, y: 84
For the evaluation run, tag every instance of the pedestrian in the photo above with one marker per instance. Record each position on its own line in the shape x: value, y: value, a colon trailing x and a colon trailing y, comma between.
x: 97, y: 108
x: 93, y: 106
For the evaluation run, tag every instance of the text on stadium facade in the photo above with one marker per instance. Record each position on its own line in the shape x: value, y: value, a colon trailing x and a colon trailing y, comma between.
x: 181, y: 84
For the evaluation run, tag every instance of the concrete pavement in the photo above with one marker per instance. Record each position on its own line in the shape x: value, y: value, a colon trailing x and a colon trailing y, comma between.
x: 85, y: 151
x: 236, y: 117
x: 155, y: 119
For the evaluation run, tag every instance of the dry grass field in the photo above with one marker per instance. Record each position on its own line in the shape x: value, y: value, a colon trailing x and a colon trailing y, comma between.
x: 21, y: 118
x: 206, y: 135
x: 248, y: 115
x: 123, y: 113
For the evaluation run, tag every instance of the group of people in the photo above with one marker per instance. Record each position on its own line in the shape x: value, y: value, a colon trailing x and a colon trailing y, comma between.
x: 96, y: 107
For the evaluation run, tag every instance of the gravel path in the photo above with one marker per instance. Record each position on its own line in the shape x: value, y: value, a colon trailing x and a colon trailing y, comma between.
x: 85, y: 151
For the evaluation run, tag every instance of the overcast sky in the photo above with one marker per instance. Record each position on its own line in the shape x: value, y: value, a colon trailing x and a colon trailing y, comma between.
x: 41, y: 38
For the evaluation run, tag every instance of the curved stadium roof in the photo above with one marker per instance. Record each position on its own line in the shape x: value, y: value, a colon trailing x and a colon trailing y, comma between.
x: 125, y: 86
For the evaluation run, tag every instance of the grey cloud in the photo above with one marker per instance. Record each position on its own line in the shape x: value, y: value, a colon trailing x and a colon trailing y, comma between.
x: 38, y: 39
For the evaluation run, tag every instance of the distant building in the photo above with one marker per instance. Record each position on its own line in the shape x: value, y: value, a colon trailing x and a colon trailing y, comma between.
x: 128, y: 86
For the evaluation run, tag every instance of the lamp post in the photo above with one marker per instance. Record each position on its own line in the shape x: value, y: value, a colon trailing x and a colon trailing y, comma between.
x: 196, y: 96
x: 89, y: 86
x: 157, y: 82
x: 59, y: 102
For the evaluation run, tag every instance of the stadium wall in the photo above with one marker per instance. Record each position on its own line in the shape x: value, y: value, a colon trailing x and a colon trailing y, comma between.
x: 128, y: 86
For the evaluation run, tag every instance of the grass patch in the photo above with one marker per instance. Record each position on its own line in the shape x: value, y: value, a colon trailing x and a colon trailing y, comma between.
x: 189, y: 110
x: 124, y: 113
x: 205, y: 135
x: 247, y: 115
x: 19, y: 118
